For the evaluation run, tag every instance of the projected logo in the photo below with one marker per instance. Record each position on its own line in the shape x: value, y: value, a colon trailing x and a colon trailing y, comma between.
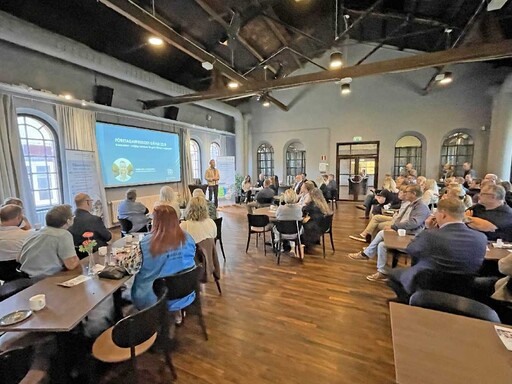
x: 122, y: 169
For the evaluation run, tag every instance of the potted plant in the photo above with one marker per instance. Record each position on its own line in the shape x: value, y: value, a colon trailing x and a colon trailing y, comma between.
x: 239, y: 179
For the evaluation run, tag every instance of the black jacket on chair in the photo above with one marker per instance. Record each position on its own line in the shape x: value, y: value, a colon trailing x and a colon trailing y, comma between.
x: 87, y: 222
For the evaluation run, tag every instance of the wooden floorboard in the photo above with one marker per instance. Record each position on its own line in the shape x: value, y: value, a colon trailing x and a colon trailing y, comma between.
x: 316, y: 322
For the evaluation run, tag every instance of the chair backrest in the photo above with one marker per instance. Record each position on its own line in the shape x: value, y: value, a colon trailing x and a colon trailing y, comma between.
x: 181, y: 284
x: 257, y: 220
x: 218, y: 223
x: 14, y: 364
x: 288, y: 227
x: 126, y: 225
x: 139, y: 327
x: 458, y: 305
x: 10, y: 288
x: 456, y: 284
x: 326, y: 222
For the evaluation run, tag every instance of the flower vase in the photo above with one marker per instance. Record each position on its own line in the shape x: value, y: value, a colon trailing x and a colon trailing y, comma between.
x: 90, y: 270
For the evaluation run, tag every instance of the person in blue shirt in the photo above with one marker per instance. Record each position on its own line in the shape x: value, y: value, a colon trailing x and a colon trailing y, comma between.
x: 167, y: 250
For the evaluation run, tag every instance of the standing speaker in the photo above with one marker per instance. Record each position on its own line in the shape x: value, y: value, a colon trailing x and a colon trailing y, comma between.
x: 103, y: 95
x: 171, y: 113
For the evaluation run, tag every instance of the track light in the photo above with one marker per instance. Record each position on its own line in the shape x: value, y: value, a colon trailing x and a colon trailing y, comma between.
x: 266, y: 103
x: 444, y: 78
x: 345, y: 89
x: 336, y: 60
x: 233, y: 84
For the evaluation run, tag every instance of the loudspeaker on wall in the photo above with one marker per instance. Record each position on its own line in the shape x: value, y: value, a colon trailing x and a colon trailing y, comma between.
x: 103, y: 95
x: 171, y: 113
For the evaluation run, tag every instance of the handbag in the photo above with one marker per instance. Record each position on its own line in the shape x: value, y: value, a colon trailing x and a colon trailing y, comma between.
x: 132, y: 262
x: 112, y: 272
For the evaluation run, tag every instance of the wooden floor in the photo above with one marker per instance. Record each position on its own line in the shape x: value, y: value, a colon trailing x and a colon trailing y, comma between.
x: 316, y: 322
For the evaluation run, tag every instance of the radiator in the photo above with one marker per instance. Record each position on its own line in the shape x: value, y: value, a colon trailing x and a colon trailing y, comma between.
x: 148, y: 201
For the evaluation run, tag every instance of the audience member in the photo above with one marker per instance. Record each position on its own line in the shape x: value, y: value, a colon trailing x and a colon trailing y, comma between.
x: 197, y: 222
x: 25, y: 224
x: 212, y: 210
x: 389, y: 192
x: 430, y: 193
x: 468, y: 170
x: 167, y: 250
x: 332, y: 188
x: 298, y: 183
x: 246, y: 188
x: 313, y: 212
x: 169, y: 197
x: 289, y: 211
x: 274, y: 184
x: 86, y: 222
x: 51, y: 249
x: 264, y: 198
x: 11, y: 240
x: 136, y: 212
x: 508, y: 192
x: 448, y: 171
x: 492, y: 178
x: 451, y: 248
x: 261, y: 180
x: 412, y: 219
x: 408, y: 171
x: 457, y: 192
x: 491, y: 215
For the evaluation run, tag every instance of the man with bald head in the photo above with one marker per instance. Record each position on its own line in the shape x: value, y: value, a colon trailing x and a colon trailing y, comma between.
x: 87, y: 222
x: 492, y: 178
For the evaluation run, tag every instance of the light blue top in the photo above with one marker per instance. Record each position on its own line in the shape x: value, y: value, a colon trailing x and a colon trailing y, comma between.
x: 135, y: 212
x: 166, y: 264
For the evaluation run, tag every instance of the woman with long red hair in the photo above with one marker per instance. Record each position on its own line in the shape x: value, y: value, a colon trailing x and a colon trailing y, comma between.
x: 166, y: 250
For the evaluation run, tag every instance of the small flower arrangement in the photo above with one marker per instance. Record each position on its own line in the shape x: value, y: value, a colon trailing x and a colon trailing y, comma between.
x: 89, y: 244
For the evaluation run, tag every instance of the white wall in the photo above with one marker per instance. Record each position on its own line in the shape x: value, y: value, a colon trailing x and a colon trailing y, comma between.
x: 379, y: 108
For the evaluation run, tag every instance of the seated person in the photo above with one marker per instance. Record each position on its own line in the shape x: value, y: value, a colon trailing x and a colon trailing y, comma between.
x: 412, y: 219
x: 212, y: 209
x: 197, y: 222
x: 25, y: 224
x: 305, y: 189
x: 313, y: 214
x: 274, y: 185
x: 86, y: 222
x: 491, y: 215
x: 11, y: 240
x: 289, y: 211
x: 168, y: 197
x: 430, y: 193
x: 451, y: 248
x: 51, y: 249
x: 167, y: 250
x: 508, y: 192
x: 264, y: 198
x: 389, y: 191
x: 134, y: 211
x: 261, y: 180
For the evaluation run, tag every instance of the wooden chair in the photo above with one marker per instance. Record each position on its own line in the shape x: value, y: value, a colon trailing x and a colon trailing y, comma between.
x: 181, y: 285
x: 218, y: 222
x: 326, y: 226
x: 15, y: 364
x: 258, y: 224
x: 288, y: 230
x: 134, y: 335
x: 458, y: 305
x: 126, y: 226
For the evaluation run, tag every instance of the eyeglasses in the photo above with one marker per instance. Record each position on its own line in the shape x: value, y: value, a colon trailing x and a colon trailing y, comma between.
x: 487, y: 194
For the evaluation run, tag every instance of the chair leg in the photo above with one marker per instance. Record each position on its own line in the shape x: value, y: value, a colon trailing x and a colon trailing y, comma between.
x: 222, y: 249
x: 332, y: 241
x: 168, y: 360
x: 248, y: 241
x: 323, y: 243
x: 202, y: 324
x: 264, y: 244
x: 218, y: 286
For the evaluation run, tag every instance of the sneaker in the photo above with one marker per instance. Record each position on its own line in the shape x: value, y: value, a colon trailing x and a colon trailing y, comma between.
x: 362, y: 207
x: 358, y: 238
x: 378, y: 276
x: 357, y: 256
x: 178, y: 318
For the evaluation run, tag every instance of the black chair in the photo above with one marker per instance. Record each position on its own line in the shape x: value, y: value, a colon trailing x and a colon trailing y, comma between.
x: 258, y: 224
x: 218, y: 222
x: 181, y: 285
x: 13, y: 287
x: 126, y: 226
x: 288, y: 230
x: 334, y: 199
x: 326, y: 227
x: 9, y: 270
x: 134, y: 335
x: 456, y: 284
x: 457, y: 305
x: 15, y: 364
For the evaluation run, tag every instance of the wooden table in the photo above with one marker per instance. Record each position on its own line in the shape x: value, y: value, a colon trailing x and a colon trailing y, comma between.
x: 65, y: 307
x: 265, y: 211
x: 433, y: 347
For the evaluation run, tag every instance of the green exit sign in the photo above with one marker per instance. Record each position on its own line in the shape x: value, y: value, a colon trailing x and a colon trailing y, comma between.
x: 357, y: 138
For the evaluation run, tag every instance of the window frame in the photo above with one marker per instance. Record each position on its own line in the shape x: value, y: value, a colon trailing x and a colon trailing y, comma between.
x: 195, y: 159
x: 461, y: 153
x: 295, y: 164
x: 215, y: 145
x: 411, y: 154
x: 265, y: 160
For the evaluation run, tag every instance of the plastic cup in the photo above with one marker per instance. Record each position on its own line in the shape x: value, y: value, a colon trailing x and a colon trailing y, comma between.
x: 402, y: 232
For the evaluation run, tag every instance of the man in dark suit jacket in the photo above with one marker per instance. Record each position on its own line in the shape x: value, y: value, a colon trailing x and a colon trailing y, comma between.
x: 87, y: 222
x: 451, y: 247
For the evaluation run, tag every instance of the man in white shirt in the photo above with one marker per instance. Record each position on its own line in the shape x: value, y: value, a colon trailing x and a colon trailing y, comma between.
x: 11, y: 240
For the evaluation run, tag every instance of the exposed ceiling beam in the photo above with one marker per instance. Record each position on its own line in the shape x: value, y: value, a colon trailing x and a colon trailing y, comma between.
x: 396, y: 16
x: 475, y: 53
x: 362, y: 15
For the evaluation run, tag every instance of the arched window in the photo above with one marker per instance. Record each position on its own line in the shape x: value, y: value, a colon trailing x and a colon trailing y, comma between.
x: 195, y: 159
x: 457, y: 148
x: 295, y: 161
x: 214, y: 150
x: 407, y: 150
x: 41, y: 156
x: 265, y: 160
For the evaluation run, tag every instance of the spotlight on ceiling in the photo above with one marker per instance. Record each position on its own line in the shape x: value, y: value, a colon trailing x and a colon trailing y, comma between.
x: 207, y: 65
x: 67, y: 96
x: 156, y: 41
x: 336, y: 60
x: 266, y: 103
x: 233, y: 84
x: 444, y: 78
x: 345, y: 89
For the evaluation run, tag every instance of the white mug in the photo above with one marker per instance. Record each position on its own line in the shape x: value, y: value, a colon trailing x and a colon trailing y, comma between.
x: 499, y: 243
x: 402, y: 232
x: 37, y: 302
x: 128, y: 238
x: 102, y: 251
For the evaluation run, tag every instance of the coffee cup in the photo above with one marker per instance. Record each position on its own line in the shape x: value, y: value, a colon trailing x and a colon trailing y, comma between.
x: 128, y: 239
x: 402, y: 232
x: 37, y: 302
x: 102, y: 251
x: 499, y: 243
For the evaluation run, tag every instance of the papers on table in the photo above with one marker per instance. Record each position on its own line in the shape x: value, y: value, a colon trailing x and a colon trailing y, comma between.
x: 505, y: 335
x: 502, y: 245
x: 75, y: 281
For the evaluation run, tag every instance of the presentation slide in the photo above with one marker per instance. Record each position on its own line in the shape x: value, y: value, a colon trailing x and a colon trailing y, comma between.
x: 132, y: 156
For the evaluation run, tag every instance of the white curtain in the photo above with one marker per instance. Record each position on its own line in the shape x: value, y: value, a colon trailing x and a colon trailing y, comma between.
x: 78, y: 127
x: 187, y: 163
x: 14, y: 180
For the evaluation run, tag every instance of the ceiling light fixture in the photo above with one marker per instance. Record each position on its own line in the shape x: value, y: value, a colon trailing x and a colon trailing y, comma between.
x: 336, y: 60
x: 156, y: 41
x: 444, y: 78
x: 207, y: 65
x: 84, y: 103
x: 345, y: 89
x: 266, y: 103
x: 67, y: 96
x: 233, y: 84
